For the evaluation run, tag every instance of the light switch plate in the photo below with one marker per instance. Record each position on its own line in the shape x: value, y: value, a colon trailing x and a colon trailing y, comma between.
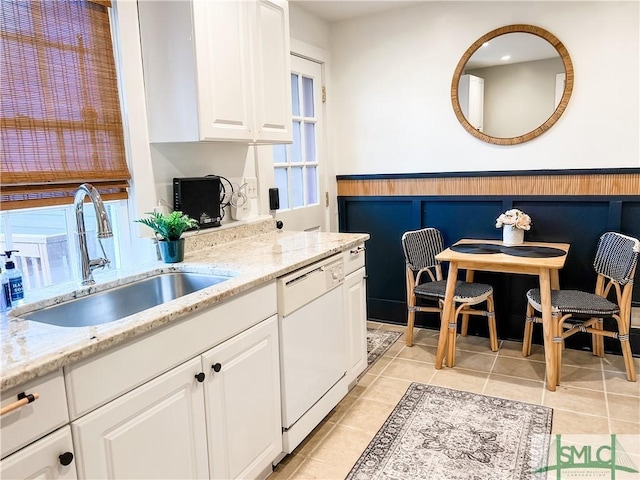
x: 251, y: 187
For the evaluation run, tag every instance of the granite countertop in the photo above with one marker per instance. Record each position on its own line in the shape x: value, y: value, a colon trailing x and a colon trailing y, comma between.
x: 31, y: 349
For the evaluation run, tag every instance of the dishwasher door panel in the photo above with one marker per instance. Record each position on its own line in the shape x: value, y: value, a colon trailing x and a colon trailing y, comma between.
x: 313, y: 353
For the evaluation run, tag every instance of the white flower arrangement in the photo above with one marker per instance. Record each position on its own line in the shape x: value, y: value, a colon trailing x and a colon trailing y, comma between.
x: 514, y: 217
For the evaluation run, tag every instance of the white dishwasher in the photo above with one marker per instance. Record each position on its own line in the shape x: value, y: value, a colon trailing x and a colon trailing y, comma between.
x: 312, y: 346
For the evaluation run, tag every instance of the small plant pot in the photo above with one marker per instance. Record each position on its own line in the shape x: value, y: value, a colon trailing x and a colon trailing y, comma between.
x: 171, y: 251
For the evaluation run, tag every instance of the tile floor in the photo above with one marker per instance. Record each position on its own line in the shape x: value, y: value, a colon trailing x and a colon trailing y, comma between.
x: 594, y: 396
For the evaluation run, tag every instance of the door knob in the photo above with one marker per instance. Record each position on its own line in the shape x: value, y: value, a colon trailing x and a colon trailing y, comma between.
x: 200, y: 377
x: 216, y: 367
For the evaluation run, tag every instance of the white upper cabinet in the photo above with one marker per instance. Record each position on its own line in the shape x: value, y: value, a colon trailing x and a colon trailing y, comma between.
x: 217, y: 70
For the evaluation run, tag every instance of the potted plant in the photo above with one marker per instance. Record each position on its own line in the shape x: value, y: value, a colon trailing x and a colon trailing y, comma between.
x: 168, y: 229
x: 513, y: 223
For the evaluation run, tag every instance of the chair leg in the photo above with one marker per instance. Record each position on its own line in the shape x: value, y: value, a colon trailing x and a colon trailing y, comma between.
x: 599, y: 340
x: 411, y: 315
x: 491, y: 317
x: 628, y: 360
x: 623, y: 335
x: 528, y: 331
x: 464, y: 328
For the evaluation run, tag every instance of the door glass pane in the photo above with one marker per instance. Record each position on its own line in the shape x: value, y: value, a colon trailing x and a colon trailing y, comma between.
x: 297, y: 188
x: 279, y: 154
x: 307, y: 97
x: 296, y: 146
x: 310, y: 142
x: 295, y: 95
x: 283, y: 187
x: 312, y: 185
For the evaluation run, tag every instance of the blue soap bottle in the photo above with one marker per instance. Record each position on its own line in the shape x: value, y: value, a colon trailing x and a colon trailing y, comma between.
x: 15, y: 279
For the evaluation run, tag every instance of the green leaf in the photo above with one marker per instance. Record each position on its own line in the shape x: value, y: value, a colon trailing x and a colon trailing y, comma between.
x: 170, y: 226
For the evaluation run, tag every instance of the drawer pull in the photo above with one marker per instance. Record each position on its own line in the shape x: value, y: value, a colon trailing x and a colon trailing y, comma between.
x: 356, y: 251
x: 200, y: 377
x: 216, y: 367
x: 65, y: 459
x: 23, y: 399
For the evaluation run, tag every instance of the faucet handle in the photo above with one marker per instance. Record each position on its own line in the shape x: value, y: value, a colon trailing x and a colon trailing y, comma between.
x: 98, y: 263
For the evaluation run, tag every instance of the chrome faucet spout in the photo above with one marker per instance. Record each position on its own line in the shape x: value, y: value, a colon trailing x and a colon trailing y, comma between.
x: 87, y: 264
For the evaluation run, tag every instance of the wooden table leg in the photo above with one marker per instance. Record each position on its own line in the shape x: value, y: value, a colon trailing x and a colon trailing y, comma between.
x: 549, y: 330
x: 447, y: 312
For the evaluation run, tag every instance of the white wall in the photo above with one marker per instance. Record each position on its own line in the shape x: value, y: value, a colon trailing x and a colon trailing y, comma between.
x: 520, y: 97
x: 391, y: 81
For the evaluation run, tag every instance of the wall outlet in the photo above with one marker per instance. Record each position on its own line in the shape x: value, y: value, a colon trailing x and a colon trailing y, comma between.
x: 251, y: 187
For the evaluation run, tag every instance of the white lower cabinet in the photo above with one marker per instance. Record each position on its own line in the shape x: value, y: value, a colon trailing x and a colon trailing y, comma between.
x: 355, y: 294
x: 156, y: 431
x: 242, y: 397
x: 215, y: 416
x: 49, y: 458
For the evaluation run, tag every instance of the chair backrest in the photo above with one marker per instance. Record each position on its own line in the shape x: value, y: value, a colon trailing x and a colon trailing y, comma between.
x: 617, y: 257
x: 421, y: 247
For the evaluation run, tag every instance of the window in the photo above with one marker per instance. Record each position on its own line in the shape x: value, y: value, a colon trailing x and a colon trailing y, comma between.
x: 296, y: 165
x: 60, y: 126
x: 60, y: 121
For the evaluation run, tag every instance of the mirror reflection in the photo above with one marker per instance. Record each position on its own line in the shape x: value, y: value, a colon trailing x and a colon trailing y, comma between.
x: 512, y: 84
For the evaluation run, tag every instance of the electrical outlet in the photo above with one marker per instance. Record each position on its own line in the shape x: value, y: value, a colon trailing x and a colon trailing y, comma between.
x: 251, y: 187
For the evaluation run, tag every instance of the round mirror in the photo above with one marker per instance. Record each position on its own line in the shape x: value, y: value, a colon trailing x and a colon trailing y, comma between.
x: 512, y: 84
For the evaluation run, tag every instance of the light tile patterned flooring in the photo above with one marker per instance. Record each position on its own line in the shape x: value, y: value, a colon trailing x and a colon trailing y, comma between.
x: 594, y: 396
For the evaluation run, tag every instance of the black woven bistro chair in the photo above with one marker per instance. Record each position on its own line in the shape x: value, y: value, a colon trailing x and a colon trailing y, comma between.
x: 425, y: 282
x: 576, y: 311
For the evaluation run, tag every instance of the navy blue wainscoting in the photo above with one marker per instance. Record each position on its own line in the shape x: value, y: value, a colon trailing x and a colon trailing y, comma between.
x: 578, y: 221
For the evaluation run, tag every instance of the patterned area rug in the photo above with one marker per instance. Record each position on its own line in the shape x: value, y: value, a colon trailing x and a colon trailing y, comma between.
x: 378, y: 342
x: 435, y: 433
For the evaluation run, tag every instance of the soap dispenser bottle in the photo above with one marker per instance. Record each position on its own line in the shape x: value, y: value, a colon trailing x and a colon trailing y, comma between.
x: 15, y: 279
x: 5, y: 292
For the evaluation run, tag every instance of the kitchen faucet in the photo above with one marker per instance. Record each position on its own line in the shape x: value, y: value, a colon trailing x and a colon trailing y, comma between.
x: 104, y: 231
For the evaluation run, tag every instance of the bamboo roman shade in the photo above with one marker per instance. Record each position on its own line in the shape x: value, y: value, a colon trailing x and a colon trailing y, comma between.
x: 60, y: 120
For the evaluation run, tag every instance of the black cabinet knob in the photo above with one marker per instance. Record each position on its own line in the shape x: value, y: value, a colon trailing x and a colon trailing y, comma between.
x: 279, y: 225
x: 200, y: 377
x: 66, y: 458
x: 216, y: 367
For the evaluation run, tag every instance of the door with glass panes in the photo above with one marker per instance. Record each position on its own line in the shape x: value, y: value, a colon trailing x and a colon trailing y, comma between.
x: 298, y: 167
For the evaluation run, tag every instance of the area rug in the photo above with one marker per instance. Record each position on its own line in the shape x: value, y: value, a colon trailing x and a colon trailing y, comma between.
x: 436, y: 433
x: 378, y: 342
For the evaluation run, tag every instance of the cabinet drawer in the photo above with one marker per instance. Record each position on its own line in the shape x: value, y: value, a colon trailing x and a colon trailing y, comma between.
x: 42, y: 459
x: 99, y: 379
x: 32, y: 421
x: 353, y: 259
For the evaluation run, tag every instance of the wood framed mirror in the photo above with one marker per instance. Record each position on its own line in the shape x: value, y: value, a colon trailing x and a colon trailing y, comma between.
x: 512, y: 84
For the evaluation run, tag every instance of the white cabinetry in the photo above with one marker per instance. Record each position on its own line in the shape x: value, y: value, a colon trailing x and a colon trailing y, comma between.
x: 214, y: 415
x: 471, y: 97
x: 217, y: 70
x: 242, y: 393
x: 355, y: 293
x: 49, y: 458
x: 27, y: 424
x: 156, y: 431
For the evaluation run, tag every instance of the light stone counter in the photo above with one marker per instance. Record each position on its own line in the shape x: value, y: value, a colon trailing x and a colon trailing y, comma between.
x: 31, y: 349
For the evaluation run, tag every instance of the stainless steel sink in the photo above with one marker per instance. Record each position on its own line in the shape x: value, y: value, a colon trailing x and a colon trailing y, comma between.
x: 120, y: 302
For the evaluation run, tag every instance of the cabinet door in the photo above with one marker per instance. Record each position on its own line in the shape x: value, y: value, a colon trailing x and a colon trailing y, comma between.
x: 355, y: 288
x: 223, y: 59
x: 272, y: 70
x: 243, y: 402
x: 42, y: 459
x: 155, y: 431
